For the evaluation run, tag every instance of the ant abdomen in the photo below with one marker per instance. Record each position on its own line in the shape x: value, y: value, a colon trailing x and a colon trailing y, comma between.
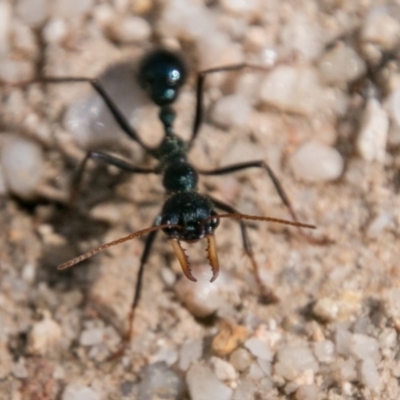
x: 161, y: 74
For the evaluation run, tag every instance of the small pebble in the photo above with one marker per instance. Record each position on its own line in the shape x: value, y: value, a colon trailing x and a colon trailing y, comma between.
x: 74, y: 391
x: 222, y: 369
x: 228, y: 338
x: 91, y: 337
x: 341, y: 65
x: 32, y: 12
x: 327, y: 309
x: 54, y: 31
x: 44, y: 336
x: 316, y: 162
x: 373, y: 135
x: 259, y: 348
x: 241, y: 359
x: 293, y: 360
x: 22, y: 165
x: 364, y: 347
x: 160, y: 382
x: 292, y: 89
x: 232, y: 110
x: 190, y: 352
x: 378, y: 224
x: 345, y: 370
x: 130, y: 30
x: 381, y: 28
x: 324, y: 350
x: 203, y: 297
x: 370, y: 375
x: 204, y: 385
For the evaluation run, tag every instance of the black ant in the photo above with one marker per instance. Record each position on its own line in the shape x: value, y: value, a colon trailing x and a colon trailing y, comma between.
x: 186, y: 214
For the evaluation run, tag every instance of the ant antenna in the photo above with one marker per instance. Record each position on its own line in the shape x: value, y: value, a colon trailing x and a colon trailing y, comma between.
x: 259, y: 218
x: 96, y: 250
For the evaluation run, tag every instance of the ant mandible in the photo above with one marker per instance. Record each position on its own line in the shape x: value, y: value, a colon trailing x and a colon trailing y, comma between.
x: 186, y: 214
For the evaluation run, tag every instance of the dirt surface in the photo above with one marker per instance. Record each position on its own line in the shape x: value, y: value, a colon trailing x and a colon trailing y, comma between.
x: 58, y: 329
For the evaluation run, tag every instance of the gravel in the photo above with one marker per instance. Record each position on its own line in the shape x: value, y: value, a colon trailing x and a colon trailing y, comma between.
x: 325, y: 118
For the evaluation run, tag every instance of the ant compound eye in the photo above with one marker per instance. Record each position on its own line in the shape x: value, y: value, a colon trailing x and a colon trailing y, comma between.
x: 214, y: 222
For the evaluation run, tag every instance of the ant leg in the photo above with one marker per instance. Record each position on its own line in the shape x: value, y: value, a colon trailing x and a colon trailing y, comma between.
x: 138, y: 291
x: 138, y: 288
x: 97, y: 86
x: 108, y: 159
x: 278, y: 187
x: 267, y: 294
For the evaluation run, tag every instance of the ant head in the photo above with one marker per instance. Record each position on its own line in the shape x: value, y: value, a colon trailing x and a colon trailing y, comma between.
x: 192, y: 212
x: 161, y: 74
x: 190, y: 217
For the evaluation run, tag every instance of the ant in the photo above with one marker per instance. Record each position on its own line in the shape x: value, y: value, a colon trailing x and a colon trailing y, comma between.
x: 186, y: 214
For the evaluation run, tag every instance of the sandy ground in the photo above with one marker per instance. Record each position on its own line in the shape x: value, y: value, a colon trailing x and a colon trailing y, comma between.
x: 59, y: 328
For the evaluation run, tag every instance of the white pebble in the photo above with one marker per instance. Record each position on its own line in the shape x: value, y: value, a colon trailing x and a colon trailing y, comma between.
x: 342, y: 340
x: 294, y: 360
x: 222, y: 369
x: 232, y: 110
x: 370, y: 375
x: 203, y: 297
x: 55, y: 31
x: 159, y: 381
x: 32, y: 12
x: 388, y: 338
x: 23, y: 166
x: 326, y: 309
x: 259, y: 348
x: 190, y: 352
x: 241, y: 359
x: 130, y: 29
x: 44, y: 336
x: 316, y: 162
x: 204, y: 385
x: 5, y: 19
x: 345, y: 370
x: 302, y: 35
x: 15, y: 71
x: 380, y: 28
x: 364, y: 347
x: 74, y: 391
x: 373, y: 135
x: 91, y: 337
x: 324, y: 350
x: 292, y: 89
x: 378, y: 224
x: 341, y: 65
